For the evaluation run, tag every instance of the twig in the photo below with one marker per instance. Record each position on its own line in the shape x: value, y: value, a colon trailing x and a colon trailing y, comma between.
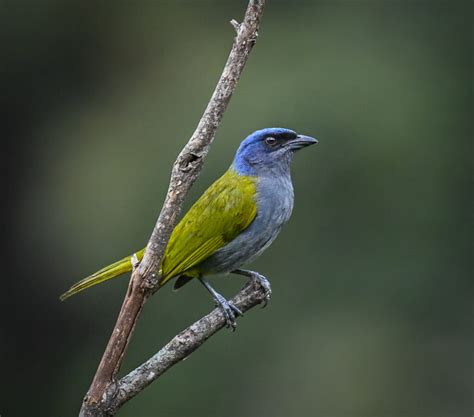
x: 144, y: 279
x: 235, y: 24
x: 182, y: 345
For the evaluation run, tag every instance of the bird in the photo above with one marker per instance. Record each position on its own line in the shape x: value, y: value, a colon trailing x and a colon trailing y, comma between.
x: 233, y: 222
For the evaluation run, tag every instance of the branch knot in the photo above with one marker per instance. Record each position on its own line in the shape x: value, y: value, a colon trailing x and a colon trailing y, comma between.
x: 236, y: 25
x: 150, y: 281
x: 189, y: 161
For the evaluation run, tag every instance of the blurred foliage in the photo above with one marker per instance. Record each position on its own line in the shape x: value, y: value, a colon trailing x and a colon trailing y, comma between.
x: 372, y: 308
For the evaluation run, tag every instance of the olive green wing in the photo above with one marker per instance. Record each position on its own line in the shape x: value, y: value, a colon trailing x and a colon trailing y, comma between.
x: 225, y: 209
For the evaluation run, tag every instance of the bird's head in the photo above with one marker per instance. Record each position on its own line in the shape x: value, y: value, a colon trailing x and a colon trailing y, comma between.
x: 269, y: 150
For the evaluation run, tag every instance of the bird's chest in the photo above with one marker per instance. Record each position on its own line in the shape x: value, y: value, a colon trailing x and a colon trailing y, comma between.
x: 274, y: 199
x: 275, y: 203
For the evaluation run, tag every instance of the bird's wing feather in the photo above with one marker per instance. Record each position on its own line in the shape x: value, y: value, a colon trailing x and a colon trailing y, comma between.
x: 226, y: 208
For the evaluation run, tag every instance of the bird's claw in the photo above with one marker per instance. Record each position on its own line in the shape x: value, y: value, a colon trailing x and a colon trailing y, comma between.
x: 265, y: 286
x: 261, y: 282
x: 230, y: 311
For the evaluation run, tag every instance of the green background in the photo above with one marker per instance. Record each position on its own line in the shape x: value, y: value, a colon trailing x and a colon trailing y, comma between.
x: 372, y: 308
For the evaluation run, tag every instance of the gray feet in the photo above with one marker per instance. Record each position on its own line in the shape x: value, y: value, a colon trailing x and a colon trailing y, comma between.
x: 265, y: 284
x: 261, y: 280
x: 230, y: 311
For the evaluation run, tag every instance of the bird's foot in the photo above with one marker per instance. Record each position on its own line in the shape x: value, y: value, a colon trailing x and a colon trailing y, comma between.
x: 262, y: 281
x: 231, y: 312
x: 265, y: 285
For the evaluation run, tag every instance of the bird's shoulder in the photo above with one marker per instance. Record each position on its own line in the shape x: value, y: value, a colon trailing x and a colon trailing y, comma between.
x: 233, y: 194
x: 226, y: 207
x: 224, y: 210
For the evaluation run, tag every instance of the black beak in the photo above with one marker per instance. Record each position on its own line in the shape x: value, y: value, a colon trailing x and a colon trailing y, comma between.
x: 301, y: 141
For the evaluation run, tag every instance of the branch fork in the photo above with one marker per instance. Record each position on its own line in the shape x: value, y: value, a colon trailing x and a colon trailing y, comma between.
x: 106, y: 393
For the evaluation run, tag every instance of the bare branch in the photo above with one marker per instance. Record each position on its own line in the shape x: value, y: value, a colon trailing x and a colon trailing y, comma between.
x: 144, y: 279
x: 182, y: 345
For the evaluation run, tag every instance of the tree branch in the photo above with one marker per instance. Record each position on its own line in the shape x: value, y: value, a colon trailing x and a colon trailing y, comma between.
x: 182, y: 345
x: 144, y: 280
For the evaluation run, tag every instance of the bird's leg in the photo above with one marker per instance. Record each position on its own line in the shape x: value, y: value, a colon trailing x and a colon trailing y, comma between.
x: 264, y: 282
x: 229, y: 309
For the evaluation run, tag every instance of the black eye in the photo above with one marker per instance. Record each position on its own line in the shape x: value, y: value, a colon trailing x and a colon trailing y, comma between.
x: 270, y: 141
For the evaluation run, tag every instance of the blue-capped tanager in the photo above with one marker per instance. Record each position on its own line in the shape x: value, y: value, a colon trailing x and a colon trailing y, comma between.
x: 232, y: 223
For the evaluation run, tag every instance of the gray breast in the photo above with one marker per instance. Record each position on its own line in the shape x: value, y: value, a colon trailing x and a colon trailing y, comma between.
x: 274, y: 205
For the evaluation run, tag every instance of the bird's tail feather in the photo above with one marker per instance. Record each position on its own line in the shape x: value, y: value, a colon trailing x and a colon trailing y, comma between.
x: 109, y: 272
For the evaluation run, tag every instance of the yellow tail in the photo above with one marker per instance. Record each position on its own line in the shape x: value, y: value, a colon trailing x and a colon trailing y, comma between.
x: 109, y: 272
